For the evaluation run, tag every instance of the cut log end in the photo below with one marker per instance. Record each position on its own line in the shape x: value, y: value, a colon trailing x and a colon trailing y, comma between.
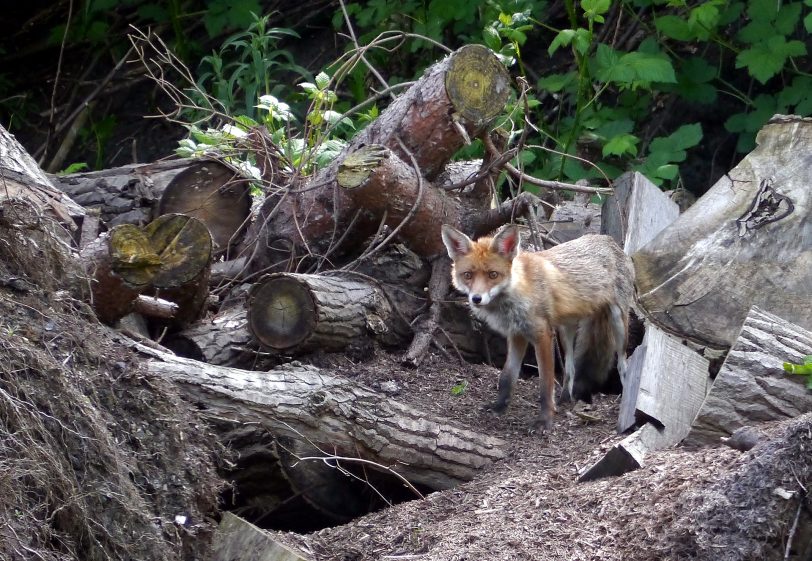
x: 281, y: 312
x: 357, y: 166
x: 214, y: 194
x: 132, y: 256
x: 477, y: 83
x: 184, y: 246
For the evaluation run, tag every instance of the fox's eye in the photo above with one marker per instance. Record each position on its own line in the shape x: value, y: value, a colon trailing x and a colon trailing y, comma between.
x: 493, y: 274
x: 467, y: 275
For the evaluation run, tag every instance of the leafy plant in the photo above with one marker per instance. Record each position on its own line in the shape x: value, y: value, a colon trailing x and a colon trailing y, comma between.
x: 249, y: 64
x: 459, y: 388
x: 804, y: 369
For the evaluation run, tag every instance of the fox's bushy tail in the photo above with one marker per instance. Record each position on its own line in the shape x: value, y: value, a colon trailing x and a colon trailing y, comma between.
x: 595, y: 346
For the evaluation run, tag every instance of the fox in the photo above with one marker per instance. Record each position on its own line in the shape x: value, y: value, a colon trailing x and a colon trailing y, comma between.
x: 582, y: 289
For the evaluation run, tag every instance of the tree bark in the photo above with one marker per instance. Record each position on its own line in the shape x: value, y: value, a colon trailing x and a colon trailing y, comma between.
x: 171, y: 255
x: 747, y: 241
x: 136, y: 194
x: 305, y: 403
x: 752, y: 385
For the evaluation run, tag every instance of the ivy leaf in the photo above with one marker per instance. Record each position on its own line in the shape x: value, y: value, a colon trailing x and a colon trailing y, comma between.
x: 766, y: 59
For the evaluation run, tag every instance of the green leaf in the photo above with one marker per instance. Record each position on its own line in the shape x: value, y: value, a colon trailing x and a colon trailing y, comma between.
x: 73, y: 168
x: 693, y: 81
x: 459, y: 388
x: 620, y: 145
x: 766, y: 59
x: 491, y: 38
x: 557, y: 82
x: 808, y: 23
x: 687, y: 136
x: 674, y: 27
x: 562, y: 39
x: 788, y: 17
x: 649, y: 68
x: 322, y: 80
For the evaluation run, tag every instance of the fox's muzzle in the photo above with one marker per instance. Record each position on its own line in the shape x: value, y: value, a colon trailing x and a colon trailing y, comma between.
x: 476, y: 299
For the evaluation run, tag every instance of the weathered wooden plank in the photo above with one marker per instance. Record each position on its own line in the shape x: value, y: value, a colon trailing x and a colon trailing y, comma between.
x: 672, y: 386
x: 628, y: 401
x: 236, y: 538
x: 673, y: 383
x: 751, y: 385
x: 637, y: 212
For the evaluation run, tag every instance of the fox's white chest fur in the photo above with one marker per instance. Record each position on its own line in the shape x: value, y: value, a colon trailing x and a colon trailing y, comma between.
x: 507, y: 315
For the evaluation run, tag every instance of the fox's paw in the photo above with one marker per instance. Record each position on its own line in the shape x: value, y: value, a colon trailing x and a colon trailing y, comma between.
x: 541, y: 423
x: 499, y: 406
x: 565, y: 396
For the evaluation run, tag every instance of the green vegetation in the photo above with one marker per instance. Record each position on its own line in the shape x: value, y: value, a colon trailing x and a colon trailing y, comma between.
x: 614, y: 84
x: 804, y: 369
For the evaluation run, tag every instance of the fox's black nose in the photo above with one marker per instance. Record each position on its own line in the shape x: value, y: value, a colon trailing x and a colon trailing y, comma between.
x: 476, y: 299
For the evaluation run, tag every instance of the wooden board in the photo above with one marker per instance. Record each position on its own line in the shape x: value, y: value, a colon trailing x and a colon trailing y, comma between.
x: 237, y: 539
x: 637, y: 212
x: 673, y: 382
x: 751, y: 385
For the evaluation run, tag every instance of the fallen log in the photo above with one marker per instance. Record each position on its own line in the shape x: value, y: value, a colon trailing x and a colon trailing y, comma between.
x: 747, y: 241
x: 172, y: 255
x: 386, y: 174
x: 306, y: 403
x: 752, y: 385
x: 208, y: 190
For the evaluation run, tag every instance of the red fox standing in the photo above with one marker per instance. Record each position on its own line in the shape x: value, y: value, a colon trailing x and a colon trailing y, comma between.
x: 582, y: 287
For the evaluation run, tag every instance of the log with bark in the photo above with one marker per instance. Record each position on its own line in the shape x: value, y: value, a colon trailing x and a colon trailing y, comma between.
x: 747, y: 241
x: 206, y: 189
x: 387, y: 173
x: 306, y: 403
x: 171, y: 255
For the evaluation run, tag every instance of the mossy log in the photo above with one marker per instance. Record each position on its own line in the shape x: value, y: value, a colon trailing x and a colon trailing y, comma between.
x: 171, y: 255
x: 747, y: 241
x: 136, y: 194
x: 415, y: 137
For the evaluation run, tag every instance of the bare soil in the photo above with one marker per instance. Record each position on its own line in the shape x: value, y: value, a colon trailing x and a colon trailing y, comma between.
x: 716, y: 503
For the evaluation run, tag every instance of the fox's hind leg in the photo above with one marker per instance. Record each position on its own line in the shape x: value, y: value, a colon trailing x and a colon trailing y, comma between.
x: 566, y: 334
x: 620, y: 331
x: 544, y: 357
x: 517, y: 347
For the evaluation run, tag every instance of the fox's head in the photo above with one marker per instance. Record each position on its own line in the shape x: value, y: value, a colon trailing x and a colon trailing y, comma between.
x: 481, y: 268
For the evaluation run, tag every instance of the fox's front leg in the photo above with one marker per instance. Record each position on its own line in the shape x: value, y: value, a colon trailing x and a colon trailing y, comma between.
x: 517, y: 346
x: 544, y: 358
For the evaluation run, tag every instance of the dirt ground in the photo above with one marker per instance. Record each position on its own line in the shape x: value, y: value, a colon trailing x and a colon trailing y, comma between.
x: 98, y: 459
x: 716, y: 503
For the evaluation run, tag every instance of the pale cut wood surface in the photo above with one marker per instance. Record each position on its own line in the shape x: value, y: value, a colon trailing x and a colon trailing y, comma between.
x: 747, y: 241
x: 637, y: 212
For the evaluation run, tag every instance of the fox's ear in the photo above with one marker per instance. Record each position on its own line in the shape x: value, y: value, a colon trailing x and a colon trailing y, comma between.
x: 457, y: 243
x: 506, y: 242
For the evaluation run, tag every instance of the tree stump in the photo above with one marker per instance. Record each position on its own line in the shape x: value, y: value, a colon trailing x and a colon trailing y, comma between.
x: 171, y: 254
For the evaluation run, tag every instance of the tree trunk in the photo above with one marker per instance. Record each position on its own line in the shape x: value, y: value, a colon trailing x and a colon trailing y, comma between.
x: 305, y: 403
x: 747, y: 241
x: 386, y: 173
